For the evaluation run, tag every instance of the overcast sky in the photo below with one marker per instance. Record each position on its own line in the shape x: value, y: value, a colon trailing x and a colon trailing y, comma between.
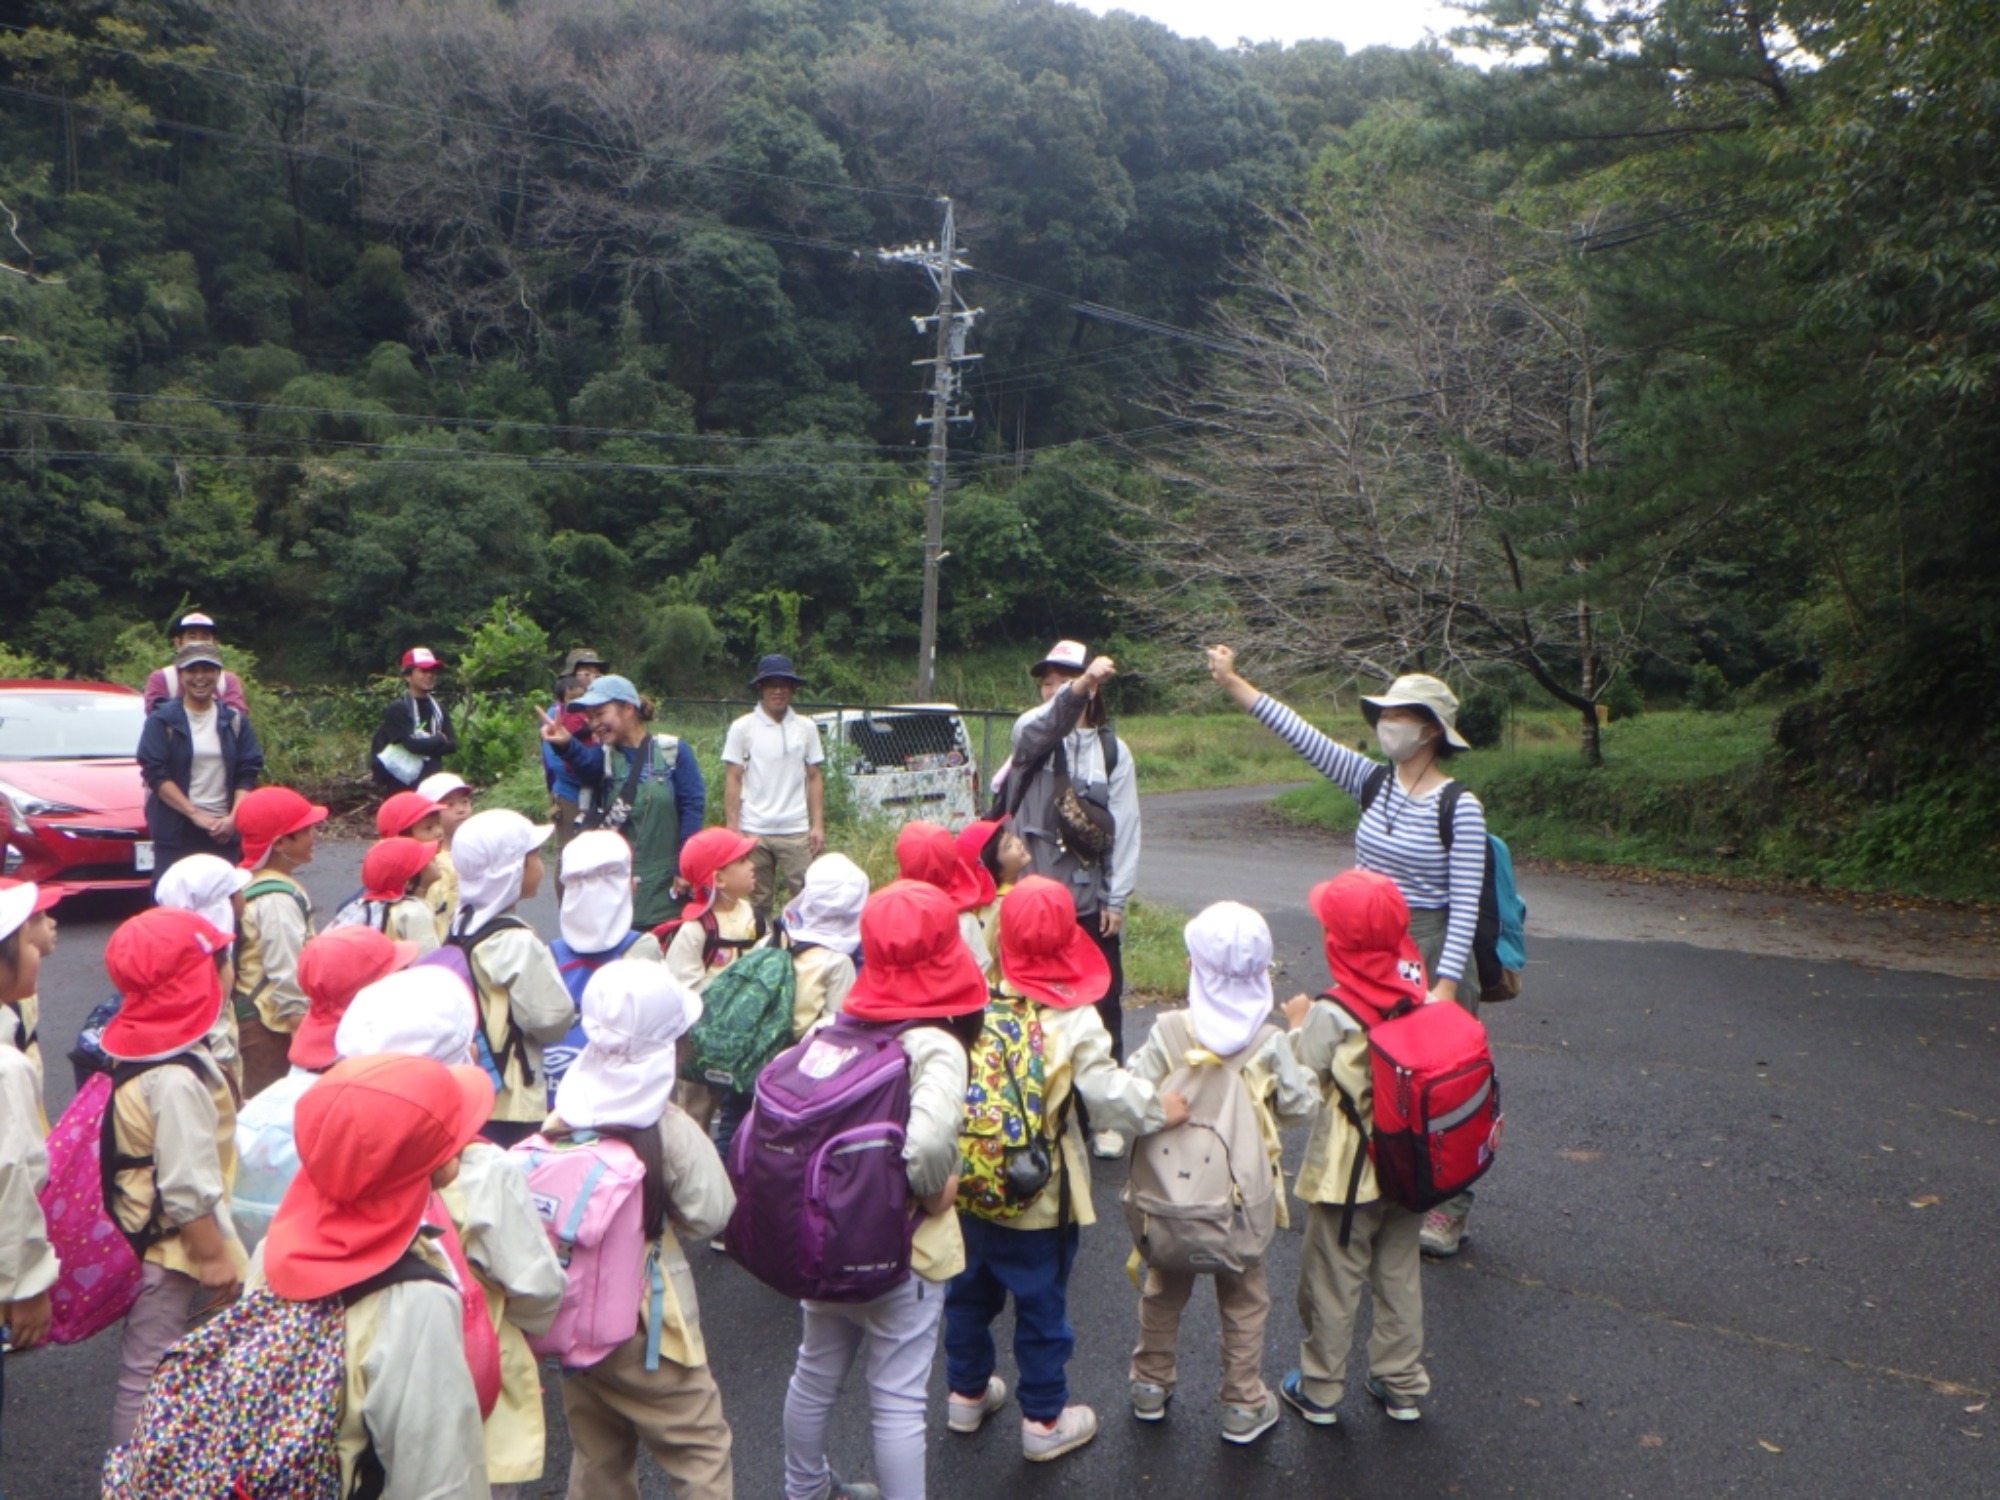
x: 1358, y: 23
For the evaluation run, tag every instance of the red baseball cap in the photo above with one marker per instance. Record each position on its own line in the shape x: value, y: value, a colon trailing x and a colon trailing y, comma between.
x: 703, y: 856
x: 1044, y: 953
x: 391, y: 864
x: 370, y: 1132
x: 1368, y: 948
x: 267, y: 815
x: 162, y: 962
x: 401, y: 813
x: 914, y: 966
x: 333, y: 968
x: 926, y: 852
x: 420, y: 656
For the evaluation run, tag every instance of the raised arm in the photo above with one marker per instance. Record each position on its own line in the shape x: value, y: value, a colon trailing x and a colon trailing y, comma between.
x: 1345, y: 768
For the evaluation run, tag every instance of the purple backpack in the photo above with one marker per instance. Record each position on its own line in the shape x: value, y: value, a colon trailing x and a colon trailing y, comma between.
x: 823, y: 1208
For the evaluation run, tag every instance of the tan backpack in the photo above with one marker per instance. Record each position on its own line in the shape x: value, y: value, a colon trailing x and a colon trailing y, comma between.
x: 1203, y: 1197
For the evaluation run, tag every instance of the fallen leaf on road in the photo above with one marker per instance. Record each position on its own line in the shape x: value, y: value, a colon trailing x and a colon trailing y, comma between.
x: 1952, y: 1388
x: 1652, y: 1440
x: 1769, y: 1447
x: 1970, y: 1433
x: 1576, y: 1400
x: 1929, y: 1200
x: 1531, y: 1401
x: 1971, y: 1410
x: 1581, y: 1155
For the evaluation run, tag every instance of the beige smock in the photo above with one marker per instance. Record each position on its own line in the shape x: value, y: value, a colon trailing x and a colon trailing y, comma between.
x: 188, y: 1126
x: 27, y: 1262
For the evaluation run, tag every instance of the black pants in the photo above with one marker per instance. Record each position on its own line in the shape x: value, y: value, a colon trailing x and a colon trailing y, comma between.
x: 190, y: 840
x: 1111, y: 1009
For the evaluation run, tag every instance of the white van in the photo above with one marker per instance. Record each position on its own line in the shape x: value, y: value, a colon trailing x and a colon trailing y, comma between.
x: 911, y: 761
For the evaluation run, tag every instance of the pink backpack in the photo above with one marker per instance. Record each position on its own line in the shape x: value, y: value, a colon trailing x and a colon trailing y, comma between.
x: 590, y: 1193
x: 100, y: 1275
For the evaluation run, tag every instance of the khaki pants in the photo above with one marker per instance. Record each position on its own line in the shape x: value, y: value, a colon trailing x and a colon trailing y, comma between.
x: 676, y: 1411
x: 780, y: 860
x: 266, y: 1055
x: 1244, y: 1303
x: 1381, y: 1255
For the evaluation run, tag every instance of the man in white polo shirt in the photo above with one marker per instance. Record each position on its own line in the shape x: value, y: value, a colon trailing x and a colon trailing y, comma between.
x: 773, y: 788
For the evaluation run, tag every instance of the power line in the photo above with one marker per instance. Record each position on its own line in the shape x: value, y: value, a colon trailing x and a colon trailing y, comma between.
x: 463, y: 460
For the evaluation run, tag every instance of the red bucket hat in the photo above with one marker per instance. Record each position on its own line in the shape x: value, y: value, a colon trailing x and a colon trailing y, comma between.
x: 975, y: 836
x: 703, y: 856
x: 1044, y: 953
x: 163, y: 963
x: 369, y: 1134
x: 930, y: 854
x: 333, y: 968
x: 915, y: 967
x: 267, y: 815
x: 401, y: 813
x: 1368, y: 948
x: 390, y: 865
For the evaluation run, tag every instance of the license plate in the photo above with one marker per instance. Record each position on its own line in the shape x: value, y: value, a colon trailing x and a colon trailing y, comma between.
x: 142, y: 856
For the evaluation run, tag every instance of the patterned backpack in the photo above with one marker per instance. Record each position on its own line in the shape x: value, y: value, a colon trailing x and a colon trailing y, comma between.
x: 746, y: 1020
x: 1003, y: 1114
x: 248, y: 1406
x: 100, y: 1275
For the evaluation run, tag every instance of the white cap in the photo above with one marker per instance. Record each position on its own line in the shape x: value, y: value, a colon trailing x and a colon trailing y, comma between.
x: 17, y: 904
x: 1069, y: 655
x: 441, y: 786
x: 827, y: 909
x: 1229, y: 976
x: 424, y: 1011
x: 634, y: 1014
x: 203, y: 884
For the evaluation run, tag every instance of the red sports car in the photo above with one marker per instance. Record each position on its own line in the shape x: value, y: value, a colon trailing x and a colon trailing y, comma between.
x: 76, y: 808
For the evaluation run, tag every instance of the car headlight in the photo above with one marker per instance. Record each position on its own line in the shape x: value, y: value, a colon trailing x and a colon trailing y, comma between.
x: 22, y: 806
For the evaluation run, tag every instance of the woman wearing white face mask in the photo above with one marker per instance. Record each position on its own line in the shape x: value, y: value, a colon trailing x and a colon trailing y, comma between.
x: 1438, y: 865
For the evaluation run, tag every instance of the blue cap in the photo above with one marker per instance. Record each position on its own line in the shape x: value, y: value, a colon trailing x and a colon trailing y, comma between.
x: 776, y: 668
x: 608, y: 690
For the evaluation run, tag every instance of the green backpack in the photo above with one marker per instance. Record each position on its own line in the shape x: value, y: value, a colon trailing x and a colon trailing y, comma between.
x: 1005, y: 1155
x: 746, y: 1020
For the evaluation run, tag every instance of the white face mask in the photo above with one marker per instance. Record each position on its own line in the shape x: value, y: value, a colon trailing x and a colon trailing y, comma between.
x: 1399, y: 740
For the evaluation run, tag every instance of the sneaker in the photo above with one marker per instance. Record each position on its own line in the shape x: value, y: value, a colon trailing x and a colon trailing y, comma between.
x: 1149, y: 1401
x: 969, y: 1413
x: 1245, y: 1424
x: 1107, y: 1145
x: 1042, y: 1441
x: 1293, y: 1389
x: 718, y: 1246
x: 1443, y: 1234
x: 839, y: 1489
x: 1398, y: 1407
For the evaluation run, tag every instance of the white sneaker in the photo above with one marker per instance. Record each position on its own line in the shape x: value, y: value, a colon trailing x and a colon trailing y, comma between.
x: 1107, y: 1145
x: 969, y: 1413
x: 1041, y: 1442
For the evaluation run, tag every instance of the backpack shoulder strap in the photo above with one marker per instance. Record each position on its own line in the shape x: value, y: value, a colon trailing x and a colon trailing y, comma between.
x: 408, y: 1267
x: 270, y: 886
x: 513, y: 1041
x: 113, y: 1159
x: 1448, y: 811
x: 1372, y: 787
x: 1107, y: 745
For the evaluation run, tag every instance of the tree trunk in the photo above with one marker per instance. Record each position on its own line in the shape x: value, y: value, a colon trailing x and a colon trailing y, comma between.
x: 1593, y: 747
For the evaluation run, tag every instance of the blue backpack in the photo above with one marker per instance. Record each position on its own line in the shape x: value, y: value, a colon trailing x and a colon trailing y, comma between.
x: 1500, y: 940
x: 576, y: 971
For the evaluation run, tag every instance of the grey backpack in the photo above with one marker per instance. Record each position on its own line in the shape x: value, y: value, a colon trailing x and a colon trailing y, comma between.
x: 1203, y: 1197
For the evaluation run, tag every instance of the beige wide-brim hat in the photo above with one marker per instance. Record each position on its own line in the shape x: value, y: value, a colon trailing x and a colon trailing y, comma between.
x: 1419, y: 690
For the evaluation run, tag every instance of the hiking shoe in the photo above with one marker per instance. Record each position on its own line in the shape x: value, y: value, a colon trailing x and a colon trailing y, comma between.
x: 838, y: 1489
x: 1107, y: 1145
x: 969, y: 1413
x: 1245, y: 1424
x: 1398, y: 1407
x: 1443, y: 1234
x: 1293, y: 1389
x: 1149, y: 1401
x: 1041, y: 1442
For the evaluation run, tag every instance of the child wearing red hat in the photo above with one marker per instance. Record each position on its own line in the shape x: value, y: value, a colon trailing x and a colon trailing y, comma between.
x: 1226, y: 1025
x: 927, y: 852
x: 377, y: 1137
x: 993, y: 845
x: 1375, y: 964
x: 917, y: 977
x: 28, y: 1265
x: 278, y: 828
x: 396, y: 877
x: 170, y: 1135
x: 1052, y: 978
x: 717, y: 923
x: 333, y: 968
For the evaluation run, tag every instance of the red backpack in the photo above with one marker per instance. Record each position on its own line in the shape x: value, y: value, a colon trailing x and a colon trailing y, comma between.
x: 1437, y: 1103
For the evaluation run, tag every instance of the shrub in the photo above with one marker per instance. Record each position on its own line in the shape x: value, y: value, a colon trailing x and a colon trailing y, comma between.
x: 1709, y: 691
x: 1624, y: 699
x: 1482, y: 717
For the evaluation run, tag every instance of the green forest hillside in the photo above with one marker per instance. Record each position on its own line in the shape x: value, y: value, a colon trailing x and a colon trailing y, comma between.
x: 1651, y: 360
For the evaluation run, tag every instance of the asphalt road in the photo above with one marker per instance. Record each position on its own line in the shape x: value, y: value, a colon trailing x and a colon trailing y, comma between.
x: 1739, y: 1242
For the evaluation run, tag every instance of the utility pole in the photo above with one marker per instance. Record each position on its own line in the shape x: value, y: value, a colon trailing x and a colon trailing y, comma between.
x: 952, y: 320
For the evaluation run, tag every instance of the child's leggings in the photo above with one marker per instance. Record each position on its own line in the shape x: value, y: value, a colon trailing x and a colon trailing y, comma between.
x: 899, y: 1332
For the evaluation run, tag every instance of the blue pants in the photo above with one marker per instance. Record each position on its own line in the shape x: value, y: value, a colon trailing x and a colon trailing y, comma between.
x: 1033, y: 1265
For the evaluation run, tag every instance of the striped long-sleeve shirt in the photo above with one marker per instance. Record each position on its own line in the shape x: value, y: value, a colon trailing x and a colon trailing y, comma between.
x: 1398, y: 834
